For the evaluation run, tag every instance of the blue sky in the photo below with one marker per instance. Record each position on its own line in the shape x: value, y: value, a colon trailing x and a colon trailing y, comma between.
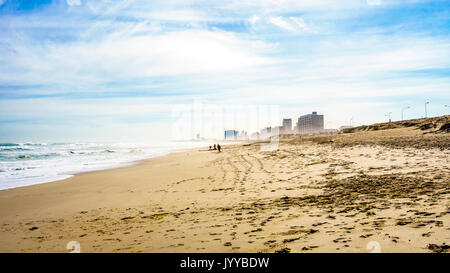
x: 114, y: 70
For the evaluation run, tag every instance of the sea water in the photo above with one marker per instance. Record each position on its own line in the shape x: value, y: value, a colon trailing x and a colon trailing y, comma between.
x: 23, y: 164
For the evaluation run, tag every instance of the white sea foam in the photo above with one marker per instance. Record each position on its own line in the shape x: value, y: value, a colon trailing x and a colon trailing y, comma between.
x: 23, y: 164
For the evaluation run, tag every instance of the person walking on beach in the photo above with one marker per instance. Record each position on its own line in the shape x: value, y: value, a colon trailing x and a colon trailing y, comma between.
x: 218, y: 147
x: 214, y: 147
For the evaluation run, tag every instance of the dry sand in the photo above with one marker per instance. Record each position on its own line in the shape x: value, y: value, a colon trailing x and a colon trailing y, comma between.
x: 340, y: 193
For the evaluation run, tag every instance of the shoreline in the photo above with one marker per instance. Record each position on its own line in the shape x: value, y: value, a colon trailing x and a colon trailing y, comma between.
x: 311, y: 195
x: 118, y: 166
x: 132, y: 163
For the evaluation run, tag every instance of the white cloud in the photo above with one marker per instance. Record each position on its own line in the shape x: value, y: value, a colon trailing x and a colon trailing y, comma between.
x: 253, y: 19
x: 379, y: 55
x: 73, y: 2
x: 300, y: 23
x: 281, y: 23
x: 293, y: 24
x: 185, y: 15
x: 132, y: 57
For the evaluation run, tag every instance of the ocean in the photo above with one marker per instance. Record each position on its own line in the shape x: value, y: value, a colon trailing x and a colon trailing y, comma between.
x: 23, y: 164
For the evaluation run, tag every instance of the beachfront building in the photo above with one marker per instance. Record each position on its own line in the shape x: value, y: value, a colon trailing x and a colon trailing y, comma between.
x: 231, y: 134
x: 310, y: 123
x: 266, y: 133
x: 286, y: 128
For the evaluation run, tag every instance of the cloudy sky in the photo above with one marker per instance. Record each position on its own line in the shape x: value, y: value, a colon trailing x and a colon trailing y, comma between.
x: 115, y: 70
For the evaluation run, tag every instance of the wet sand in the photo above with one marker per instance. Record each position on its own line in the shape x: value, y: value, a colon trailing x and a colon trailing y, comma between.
x: 354, y: 192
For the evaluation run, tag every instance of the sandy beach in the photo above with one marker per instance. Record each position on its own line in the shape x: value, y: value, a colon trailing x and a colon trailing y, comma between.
x: 386, y: 190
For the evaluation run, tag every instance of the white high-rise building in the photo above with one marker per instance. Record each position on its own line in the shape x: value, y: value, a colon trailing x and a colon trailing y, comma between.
x: 310, y: 123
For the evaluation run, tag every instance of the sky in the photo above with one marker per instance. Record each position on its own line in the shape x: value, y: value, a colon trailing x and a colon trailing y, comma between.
x: 133, y: 70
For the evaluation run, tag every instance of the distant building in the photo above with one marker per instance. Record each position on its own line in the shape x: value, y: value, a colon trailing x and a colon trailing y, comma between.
x: 231, y: 134
x: 310, y: 123
x: 254, y: 135
x: 266, y: 131
x: 286, y: 128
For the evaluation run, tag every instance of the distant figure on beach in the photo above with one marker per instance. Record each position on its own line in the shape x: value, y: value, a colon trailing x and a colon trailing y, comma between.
x: 210, y: 147
x: 215, y: 147
x: 218, y: 147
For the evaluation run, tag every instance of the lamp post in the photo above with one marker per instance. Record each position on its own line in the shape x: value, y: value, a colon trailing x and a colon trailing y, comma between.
x: 403, y: 109
x: 426, y: 109
x: 388, y: 115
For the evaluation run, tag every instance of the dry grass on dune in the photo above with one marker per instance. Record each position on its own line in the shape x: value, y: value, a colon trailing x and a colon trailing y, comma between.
x: 437, y: 124
x: 426, y: 133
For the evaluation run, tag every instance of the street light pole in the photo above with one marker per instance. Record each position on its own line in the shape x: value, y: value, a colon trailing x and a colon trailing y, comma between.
x: 403, y: 109
x: 426, y: 108
x: 389, y: 116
